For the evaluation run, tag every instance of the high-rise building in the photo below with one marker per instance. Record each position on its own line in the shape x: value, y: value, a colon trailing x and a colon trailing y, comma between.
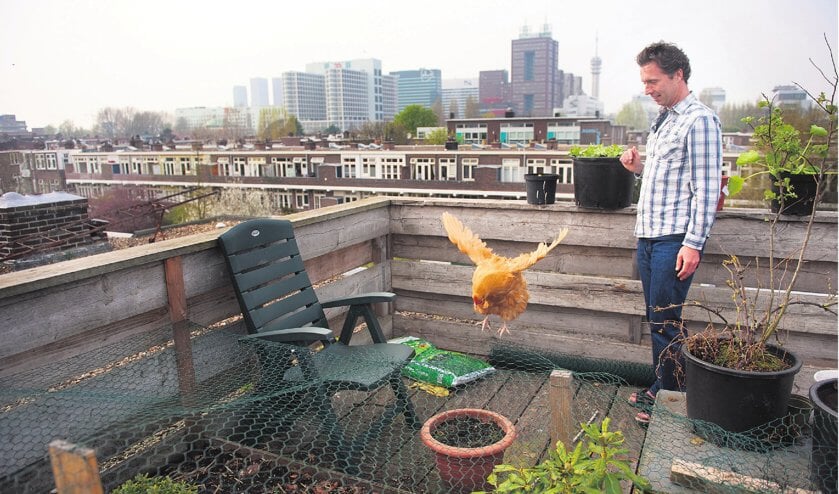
x: 791, y: 96
x: 343, y: 94
x: 418, y: 87
x: 277, y: 91
x: 494, y: 91
x: 714, y: 97
x: 347, y: 98
x: 458, y: 91
x: 534, y: 71
x: 390, y: 97
x: 240, y: 96
x: 259, y: 92
x: 304, y: 96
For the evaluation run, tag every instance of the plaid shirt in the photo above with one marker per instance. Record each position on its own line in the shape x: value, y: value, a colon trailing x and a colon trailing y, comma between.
x: 681, y: 177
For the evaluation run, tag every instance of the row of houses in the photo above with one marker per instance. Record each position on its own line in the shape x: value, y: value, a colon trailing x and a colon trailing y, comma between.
x: 299, y: 177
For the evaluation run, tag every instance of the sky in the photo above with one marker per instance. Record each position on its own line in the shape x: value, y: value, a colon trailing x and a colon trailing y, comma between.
x: 65, y: 60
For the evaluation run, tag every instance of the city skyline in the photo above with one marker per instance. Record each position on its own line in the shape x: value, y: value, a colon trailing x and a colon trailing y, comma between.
x: 66, y: 62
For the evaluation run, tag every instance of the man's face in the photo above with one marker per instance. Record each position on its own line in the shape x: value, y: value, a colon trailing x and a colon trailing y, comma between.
x: 664, y: 89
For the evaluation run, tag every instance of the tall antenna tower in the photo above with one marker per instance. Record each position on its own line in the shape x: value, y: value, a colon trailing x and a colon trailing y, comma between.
x: 596, y: 66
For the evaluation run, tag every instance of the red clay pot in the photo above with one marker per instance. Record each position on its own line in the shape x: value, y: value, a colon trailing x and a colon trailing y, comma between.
x: 466, y: 469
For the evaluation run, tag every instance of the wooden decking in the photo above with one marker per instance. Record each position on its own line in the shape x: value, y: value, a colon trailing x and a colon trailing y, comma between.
x: 397, y: 461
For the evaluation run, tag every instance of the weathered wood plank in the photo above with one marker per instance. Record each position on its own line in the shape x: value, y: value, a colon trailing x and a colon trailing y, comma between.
x: 670, y: 435
x: 75, y: 469
x: 715, y: 481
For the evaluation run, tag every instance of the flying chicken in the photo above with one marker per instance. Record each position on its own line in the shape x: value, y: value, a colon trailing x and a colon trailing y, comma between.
x: 498, y: 286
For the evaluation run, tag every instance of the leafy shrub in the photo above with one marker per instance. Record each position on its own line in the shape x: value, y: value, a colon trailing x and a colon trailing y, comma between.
x: 142, y: 484
x: 597, y: 467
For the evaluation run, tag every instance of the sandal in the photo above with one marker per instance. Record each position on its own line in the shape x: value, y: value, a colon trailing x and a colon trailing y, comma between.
x: 642, y: 419
x: 642, y: 399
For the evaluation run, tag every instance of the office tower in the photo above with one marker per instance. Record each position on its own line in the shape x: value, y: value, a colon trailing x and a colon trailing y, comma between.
x: 596, y: 66
x: 240, y: 96
x: 791, y: 96
x: 494, y: 91
x: 714, y: 97
x: 347, y: 98
x: 534, y: 71
x: 344, y: 97
x: 277, y: 91
x: 417, y: 87
x: 459, y: 91
x: 304, y: 96
x: 390, y: 97
x: 259, y: 92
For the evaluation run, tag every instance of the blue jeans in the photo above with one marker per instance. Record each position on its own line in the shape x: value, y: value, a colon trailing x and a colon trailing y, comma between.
x: 656, y: 259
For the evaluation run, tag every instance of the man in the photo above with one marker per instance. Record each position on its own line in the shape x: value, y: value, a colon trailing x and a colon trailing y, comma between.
x: 679, y: 191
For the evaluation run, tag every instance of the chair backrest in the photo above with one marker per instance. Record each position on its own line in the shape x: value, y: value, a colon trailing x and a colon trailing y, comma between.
x: 269, y: 278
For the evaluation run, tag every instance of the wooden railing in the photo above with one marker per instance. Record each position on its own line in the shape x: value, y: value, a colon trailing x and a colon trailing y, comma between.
x: 585, y: 297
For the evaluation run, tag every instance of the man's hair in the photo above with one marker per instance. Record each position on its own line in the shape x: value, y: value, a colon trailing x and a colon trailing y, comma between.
x: 668, y: 56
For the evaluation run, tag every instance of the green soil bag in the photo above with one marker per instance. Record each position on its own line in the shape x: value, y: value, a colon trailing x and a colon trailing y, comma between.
x: 441, y: 367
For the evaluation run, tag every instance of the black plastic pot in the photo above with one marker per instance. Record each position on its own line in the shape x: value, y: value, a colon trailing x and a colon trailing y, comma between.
x: 541, y: 188
x: 738, y: 401
x: 823, y: 466
x: 602, y: 183
x: 804, y: 187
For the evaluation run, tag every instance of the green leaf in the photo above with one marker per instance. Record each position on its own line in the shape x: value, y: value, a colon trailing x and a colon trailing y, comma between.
x: 735, y: 184
x: 748, y: 157
x: 818, y: 131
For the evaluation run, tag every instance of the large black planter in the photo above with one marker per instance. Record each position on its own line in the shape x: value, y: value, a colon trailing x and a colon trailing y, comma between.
x: 602, y: 183
x: 823, y: 466
x: 541, y: 188
x: 738, y: 401
x: 804, y: 187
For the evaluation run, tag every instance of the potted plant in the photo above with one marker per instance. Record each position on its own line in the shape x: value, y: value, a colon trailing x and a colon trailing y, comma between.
x: 541, y: 187
x: 788, y: 161
x: 823, y: 395
x: 467, y: 444
x: 599, y: 465
x: 600, y: 180
x: 739, y: 376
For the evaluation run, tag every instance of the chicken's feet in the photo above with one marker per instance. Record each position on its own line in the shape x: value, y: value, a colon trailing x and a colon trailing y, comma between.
x: 503, y: 329
x: 485, y: 324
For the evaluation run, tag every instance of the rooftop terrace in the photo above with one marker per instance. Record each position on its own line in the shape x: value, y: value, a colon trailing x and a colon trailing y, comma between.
x: 134, y: 352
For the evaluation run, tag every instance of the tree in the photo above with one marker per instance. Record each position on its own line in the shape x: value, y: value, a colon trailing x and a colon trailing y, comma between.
x: 181, y: 126
x: 437, y: 108
x: 270, y: 123
x: 437, y: 136
x: 471, y: 108
x: 633, y: 115
x: 370, y: 130
x: 413, y: 116
x: 115, y: 123
x: 69, y: 130
x: 396, y: 132
x: 454, y: 111
x: 332, y: 129
x: 731, y: 116
x: 291, y: 127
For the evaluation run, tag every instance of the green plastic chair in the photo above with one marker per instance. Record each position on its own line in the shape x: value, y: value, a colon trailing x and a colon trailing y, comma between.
x: 284, y: 317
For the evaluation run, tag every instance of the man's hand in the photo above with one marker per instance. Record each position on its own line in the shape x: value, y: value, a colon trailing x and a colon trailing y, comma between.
x: 631, y: 160
x: 686, y: 262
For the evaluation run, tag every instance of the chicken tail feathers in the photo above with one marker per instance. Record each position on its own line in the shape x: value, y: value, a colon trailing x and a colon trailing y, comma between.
x: 468, y: 243
x: 527, y: 260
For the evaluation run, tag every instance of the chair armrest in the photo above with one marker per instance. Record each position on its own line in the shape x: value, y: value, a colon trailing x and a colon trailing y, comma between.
x: 292, y: 335
x: 360, y: 299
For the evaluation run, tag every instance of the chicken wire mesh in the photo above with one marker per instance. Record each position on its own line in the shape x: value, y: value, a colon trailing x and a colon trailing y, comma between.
x: 244, y: 418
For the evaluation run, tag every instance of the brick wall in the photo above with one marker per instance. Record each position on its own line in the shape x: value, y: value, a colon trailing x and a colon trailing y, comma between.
x: 29, y: 226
